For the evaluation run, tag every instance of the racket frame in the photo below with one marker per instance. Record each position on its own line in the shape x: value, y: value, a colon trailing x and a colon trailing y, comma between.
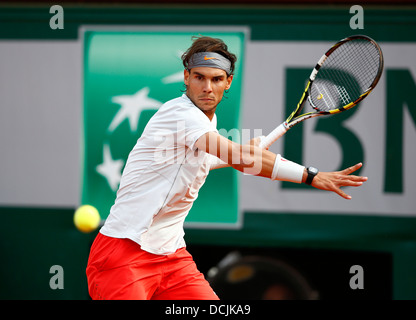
x: 295, y: 117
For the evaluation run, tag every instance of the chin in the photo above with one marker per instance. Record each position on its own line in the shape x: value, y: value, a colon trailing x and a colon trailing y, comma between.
x: 207, y: 105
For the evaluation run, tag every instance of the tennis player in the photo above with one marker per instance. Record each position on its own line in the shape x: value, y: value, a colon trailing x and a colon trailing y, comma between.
x: 140, y: 252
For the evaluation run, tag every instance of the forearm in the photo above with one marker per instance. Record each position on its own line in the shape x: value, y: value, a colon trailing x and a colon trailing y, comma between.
x: 251, y: 159
x: 247, y: 158
x: 260, y: 162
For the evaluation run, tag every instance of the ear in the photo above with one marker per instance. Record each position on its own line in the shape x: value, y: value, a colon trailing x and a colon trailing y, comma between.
x: 229, y: 80
x: 186, y: 77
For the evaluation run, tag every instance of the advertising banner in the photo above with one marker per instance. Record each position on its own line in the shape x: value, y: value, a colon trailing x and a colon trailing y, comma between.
x: 128, y: 75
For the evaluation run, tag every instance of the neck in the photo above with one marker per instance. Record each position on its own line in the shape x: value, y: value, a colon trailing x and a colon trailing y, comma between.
x: 209, y: 113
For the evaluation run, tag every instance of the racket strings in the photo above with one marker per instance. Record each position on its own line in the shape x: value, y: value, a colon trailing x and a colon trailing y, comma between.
x: 347, y: 73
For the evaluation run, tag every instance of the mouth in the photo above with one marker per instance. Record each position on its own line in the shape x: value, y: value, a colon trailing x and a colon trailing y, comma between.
x: 206, y: 99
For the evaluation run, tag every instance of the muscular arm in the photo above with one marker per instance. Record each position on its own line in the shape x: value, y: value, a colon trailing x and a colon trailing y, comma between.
x: 253, y: 160
x: 248, y: 158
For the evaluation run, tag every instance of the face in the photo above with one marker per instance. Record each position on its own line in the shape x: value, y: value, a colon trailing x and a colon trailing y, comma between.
x: 205, y: 87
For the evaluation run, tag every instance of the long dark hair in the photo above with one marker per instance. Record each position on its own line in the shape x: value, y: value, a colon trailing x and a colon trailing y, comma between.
x: 208, y: 44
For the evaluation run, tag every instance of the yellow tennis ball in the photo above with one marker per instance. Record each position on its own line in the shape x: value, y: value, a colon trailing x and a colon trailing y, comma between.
x: 87, y: 218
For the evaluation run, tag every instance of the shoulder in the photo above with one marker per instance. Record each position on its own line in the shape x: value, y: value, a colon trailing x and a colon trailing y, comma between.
x: 183, y: 108
x: 179, y: 103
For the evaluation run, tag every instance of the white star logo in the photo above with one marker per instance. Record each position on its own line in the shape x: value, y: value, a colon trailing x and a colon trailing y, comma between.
x: 110, y: 169
x: 131, y: 107
x: 177, y: 76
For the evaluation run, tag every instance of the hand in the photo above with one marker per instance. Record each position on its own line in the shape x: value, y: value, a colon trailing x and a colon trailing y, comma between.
x: 333, y: 181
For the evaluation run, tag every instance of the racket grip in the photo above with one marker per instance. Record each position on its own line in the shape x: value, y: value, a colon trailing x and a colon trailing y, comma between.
x: 267, y: 141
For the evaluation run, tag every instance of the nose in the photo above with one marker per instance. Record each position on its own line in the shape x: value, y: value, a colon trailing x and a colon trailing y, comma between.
x: 207, y: 86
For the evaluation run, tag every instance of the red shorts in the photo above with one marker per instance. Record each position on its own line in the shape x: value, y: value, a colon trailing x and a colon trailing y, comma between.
x: 118, y: 269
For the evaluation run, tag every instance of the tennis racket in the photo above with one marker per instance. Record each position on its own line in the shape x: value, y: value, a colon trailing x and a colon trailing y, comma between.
x: 343, y: 77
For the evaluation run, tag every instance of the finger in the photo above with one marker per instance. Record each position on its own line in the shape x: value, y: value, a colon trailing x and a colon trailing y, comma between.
x: 350, y: 183
x: 352, y: 169
x: 342, y: 194
x: 353, y: 184
x: 354, y: 178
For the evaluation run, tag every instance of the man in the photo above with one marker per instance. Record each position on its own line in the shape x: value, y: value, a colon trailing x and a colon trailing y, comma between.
x: 140, y: 252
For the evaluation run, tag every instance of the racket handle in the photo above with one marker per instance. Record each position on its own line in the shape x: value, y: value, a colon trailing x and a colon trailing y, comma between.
x: 266, y: 142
